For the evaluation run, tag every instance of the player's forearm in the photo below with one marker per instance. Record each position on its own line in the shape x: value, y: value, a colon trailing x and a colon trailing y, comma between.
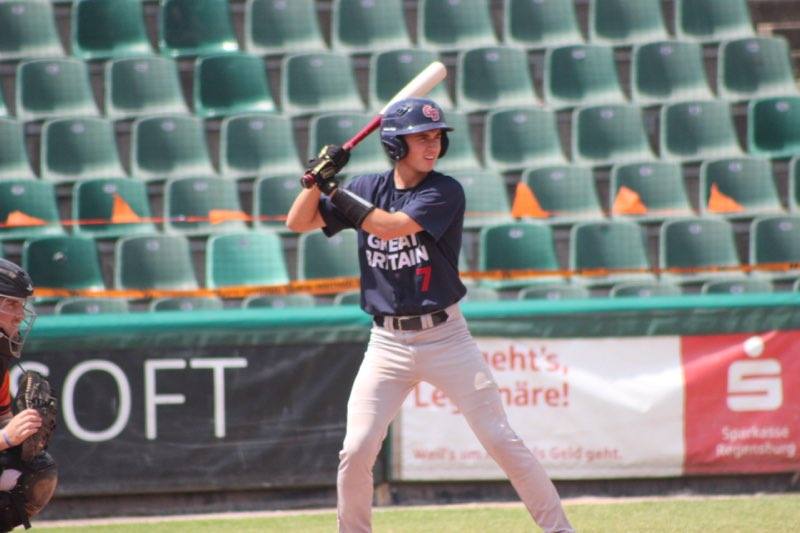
x: 304, y: 213
x: 389, y: 226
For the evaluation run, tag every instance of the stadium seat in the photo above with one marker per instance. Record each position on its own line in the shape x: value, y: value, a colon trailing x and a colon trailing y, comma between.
x: 63, y: 262
x: 794, y: 184
x: 755, y: 67
x: 257, y: 144
x: 103, y: 30
x: 595, y: 248
x: 14, y: 162
x: 53, y: 88
x: 200, y: 206
x: 207, y: 303
x: 28, y: 30
x: 691, y: 131
x: 486, y: 199
x: 737, y: 286
x: 668, y: 71
x: 493, y: 76
x: 136, y: 87
x: 540, y: 24
x: 242, y: 259
x: 775, y: 240
x: 368, y: 26
x: 581, y: 74
x: 347, y: 298
x: 153, y: 262
x: 686, y: 245
x: 320, y: 257
x: 644, y: 289
x: 91, y: 306
x: 452, y: 25
x: 747, y: 181
x: 170, y: 146
x: 460, y: 151
x: 712, y: 20
x: 390, y: 70
x: 277, y: 27
x: 279, y: 301
x: 796, y: 286
x: 609, y: 134
x: 518, y: 246
x: 626, y: 22
x: 336, y: 128
x: 122, y: 202
x: 195, y: 28
x: 659, y: 190
x: 519, y: 137
x: 319, y: 82
x: 225, y: 84
x: 480, y: 294
x: 566, y: 192
x: 554, y: 292
x: 75, y: 149
x: 3, y: 109
x: 272, y: 198
x: 773, y: 126
x: 28, y: 209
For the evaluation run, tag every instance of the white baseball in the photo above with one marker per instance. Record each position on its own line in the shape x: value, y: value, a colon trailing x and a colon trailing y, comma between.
x: 754, y: 346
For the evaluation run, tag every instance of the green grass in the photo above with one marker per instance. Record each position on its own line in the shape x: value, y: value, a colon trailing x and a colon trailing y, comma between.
x: 756, y: 514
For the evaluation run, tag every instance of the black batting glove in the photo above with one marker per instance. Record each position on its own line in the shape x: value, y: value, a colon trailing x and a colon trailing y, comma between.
x: 330, y: 161
x: 326, y: 186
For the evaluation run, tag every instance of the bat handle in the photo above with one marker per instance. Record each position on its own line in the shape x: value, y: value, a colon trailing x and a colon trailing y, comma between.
x: 307, y: 181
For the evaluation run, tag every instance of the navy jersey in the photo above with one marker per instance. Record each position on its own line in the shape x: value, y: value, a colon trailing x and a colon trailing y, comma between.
x: 415, y: 274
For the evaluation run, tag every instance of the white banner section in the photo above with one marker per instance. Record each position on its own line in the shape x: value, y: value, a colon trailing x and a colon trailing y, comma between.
x: 587, y: 408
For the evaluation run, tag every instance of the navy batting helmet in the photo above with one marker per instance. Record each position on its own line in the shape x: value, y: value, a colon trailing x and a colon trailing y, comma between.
x: 407, y: 116
x: 16, y: 311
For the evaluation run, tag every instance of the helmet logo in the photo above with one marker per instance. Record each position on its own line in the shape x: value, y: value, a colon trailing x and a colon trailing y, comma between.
x: 430, y: 112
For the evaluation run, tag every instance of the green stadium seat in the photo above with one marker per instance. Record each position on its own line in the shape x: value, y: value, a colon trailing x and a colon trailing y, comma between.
x: 554, y: 292
x: 94, y: 200
x: 452, y: 25
x: 748, y: 181
x: 493, y: 76
x: 257, y: 144
x: 755, y: 67
x: 14, y: 162
x: 566, y: 192
x: 207, y: 303
x: 691, y: 131
x: 668, y: 71
x: 368, y: 26
x: 390, y: 70
x: 141, y: 86
x: 272, y: 198
x: 153, y: 262
x: 712, y: 20
x: 794, y: 184
x: 609, y: 134
x: 226, y: 84
x: 75, y: 149
x: 773, y: 240
x: 101, y: 29
x: 170, y: 146
x: 28, y: 209
x: 737, y: 286
x: 195, y: 28
x: 347, y: 298
x: 279, y: 301
x: 63, y: 262
x: 460, y: 151
x: 644, y: 289
x: 581, y: 74
x: 518, y: 246
x: 773, y: 126
x: 245, y: 259
x: 320, y: 257
x: 28, y: 30
x: 486, y: 199
x: 212, y: 202
x: 3, y: 109
x: 53, y: 88
x: 540, y: 24
x: 277, y: 27
x: 626, y: 22
x: 336, y: 128
x: 480, y: 294
x: 659, y: 186
x: 595, y: 248
x: 687, y: 245
x: 520, y: 137
x: 320, y: 82
x: 91, y: 306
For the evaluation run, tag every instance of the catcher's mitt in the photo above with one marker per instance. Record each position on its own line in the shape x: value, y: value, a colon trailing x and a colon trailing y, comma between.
x: 34, y: 393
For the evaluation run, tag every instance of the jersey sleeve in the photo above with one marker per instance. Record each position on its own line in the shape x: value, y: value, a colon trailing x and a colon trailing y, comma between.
x: 5, y: 395
x: 436, y: 207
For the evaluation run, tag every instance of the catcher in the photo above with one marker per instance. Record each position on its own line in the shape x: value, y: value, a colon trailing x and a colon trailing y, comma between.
x: 28, y: 474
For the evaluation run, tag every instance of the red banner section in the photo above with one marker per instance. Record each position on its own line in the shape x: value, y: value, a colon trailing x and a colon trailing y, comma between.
x: 742, y: 402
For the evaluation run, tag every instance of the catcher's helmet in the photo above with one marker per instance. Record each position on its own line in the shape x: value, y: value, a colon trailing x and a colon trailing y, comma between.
x: 407, y: 116
x: 16, y: 310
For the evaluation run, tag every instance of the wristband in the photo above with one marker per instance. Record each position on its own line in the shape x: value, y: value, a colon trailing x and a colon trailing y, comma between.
x: 353, y: 207
x: 6, y: 439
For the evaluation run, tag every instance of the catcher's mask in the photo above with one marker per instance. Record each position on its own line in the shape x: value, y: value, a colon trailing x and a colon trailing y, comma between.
x: 16, y: 308
x: 407, y: 116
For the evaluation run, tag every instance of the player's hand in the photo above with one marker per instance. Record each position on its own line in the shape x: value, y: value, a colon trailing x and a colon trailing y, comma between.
x: 330, y: 161
x: 23, y: 425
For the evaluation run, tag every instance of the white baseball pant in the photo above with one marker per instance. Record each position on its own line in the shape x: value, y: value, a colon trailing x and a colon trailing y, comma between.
x: 447, y: 357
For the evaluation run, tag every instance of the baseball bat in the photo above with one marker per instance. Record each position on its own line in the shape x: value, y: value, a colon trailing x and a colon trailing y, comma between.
x: 420, y: 85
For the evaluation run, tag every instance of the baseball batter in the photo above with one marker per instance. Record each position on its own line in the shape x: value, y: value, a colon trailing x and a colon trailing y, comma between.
x: 409, y: 221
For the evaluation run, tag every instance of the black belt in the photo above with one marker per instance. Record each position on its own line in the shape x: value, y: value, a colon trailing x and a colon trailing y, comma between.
x: 411, y: 324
